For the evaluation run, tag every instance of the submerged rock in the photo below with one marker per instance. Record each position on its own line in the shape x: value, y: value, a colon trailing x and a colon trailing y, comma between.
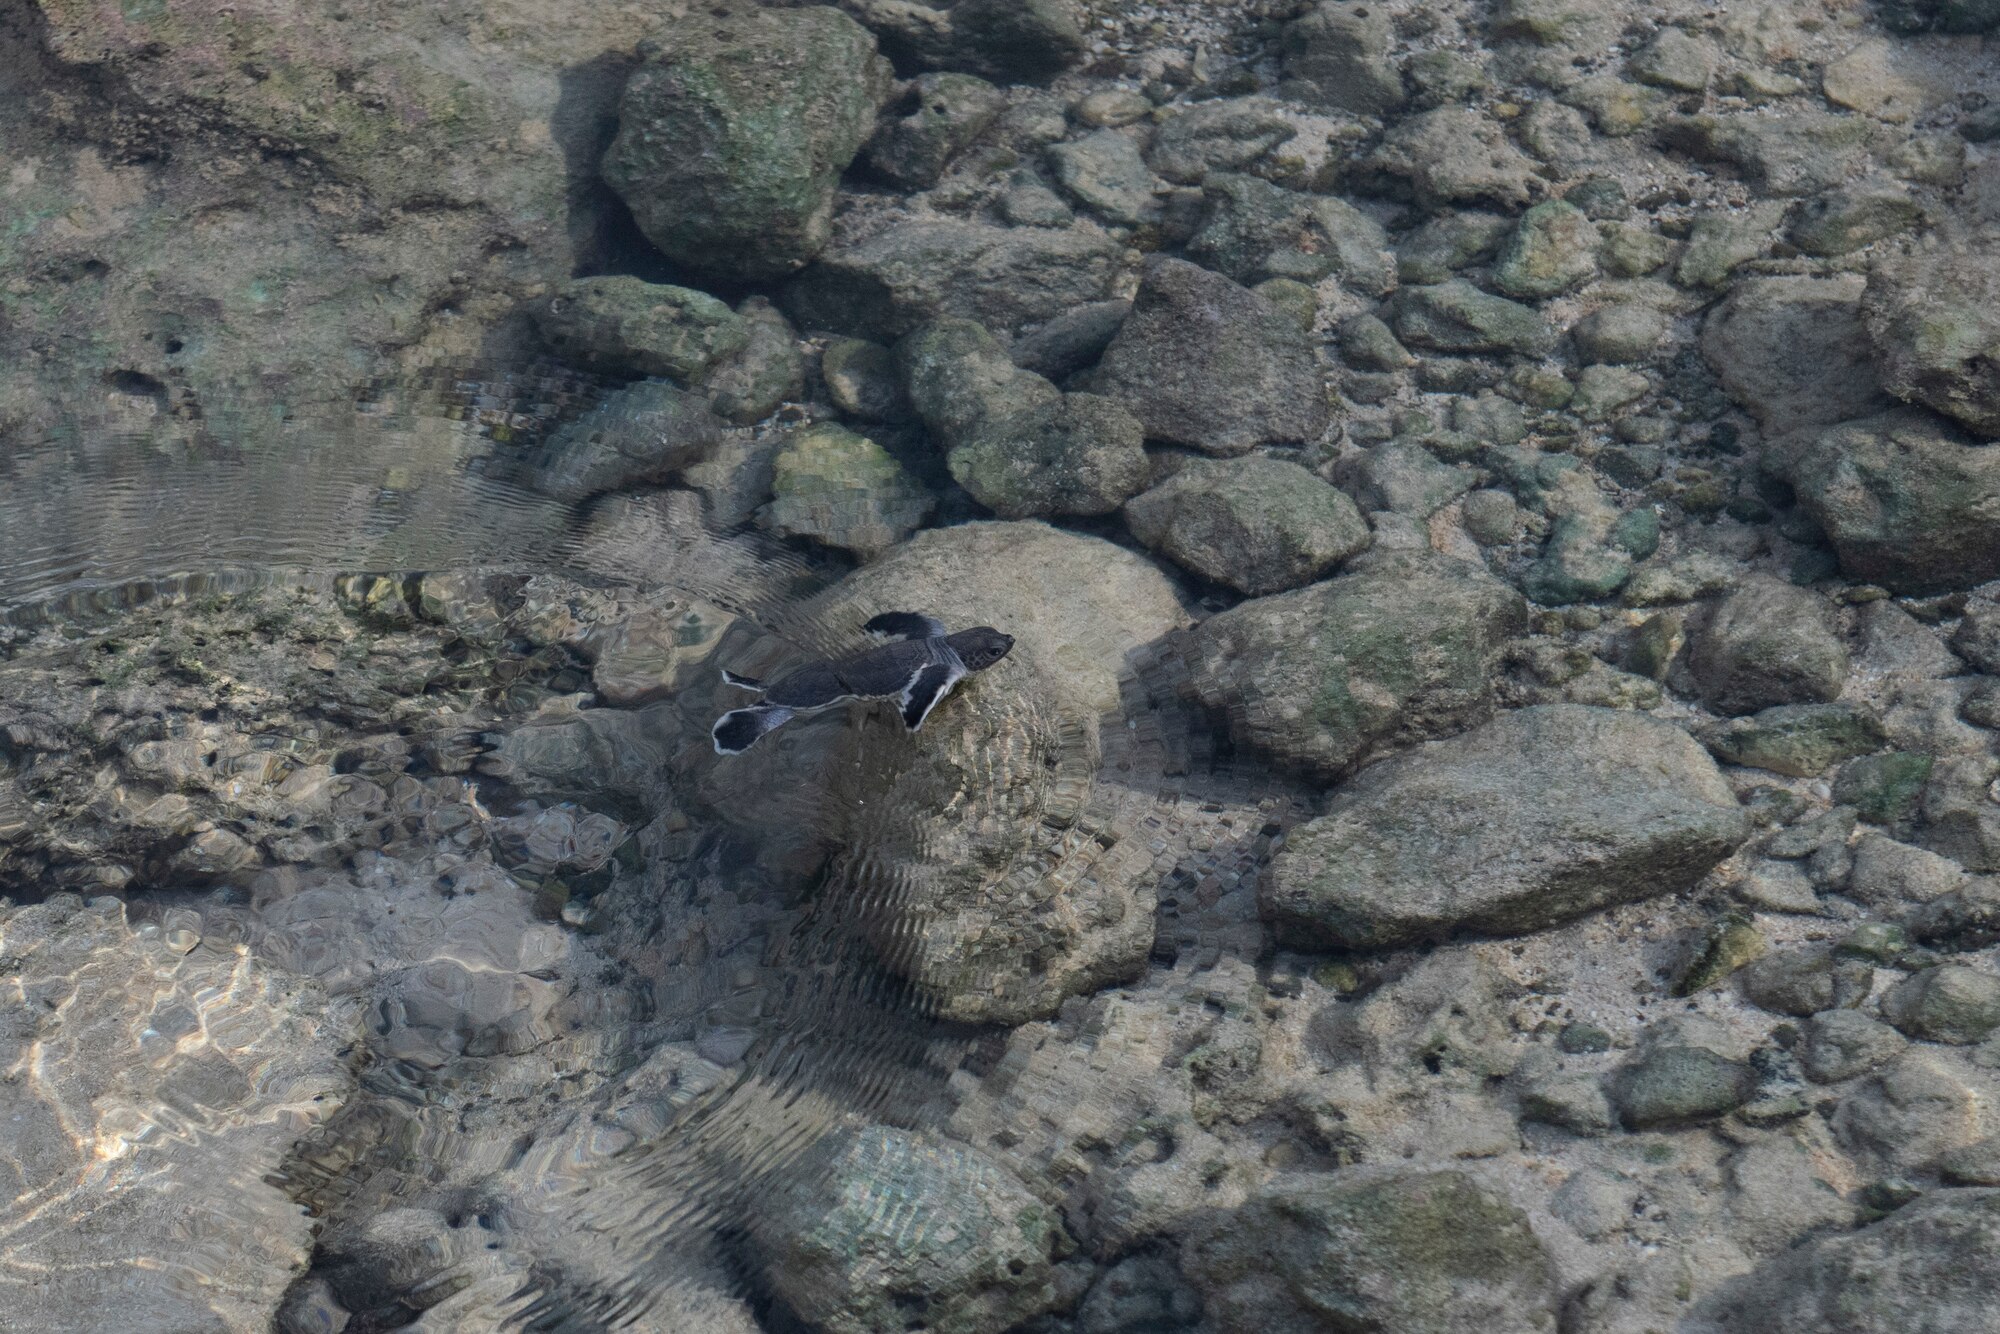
x: 966, y: 855
x: 628, y: 326
x: 1536, y: 818
x: 935, y: 118
x: 1455, y: 316
x: 1906, y: 501
x: 887, y: 284
x: 1016, y: 443
x: 1403, y: 649
x: 1258, y: 524
x: 1931, y: 1265
x: 1007, y: 40
x: 640, y: 434
x: 843, y: 489
x: 1418, y: 1252
x: 734, y: 130
x: 874, y: 1223
x: 1765, y: 644
x: 1793, y: 351
x: 1205, y: 363
x: 1672, y: 1086
x: 1932, y: 316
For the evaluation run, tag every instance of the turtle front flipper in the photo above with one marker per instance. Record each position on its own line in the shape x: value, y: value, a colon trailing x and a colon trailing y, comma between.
x: 926, y: 688
x: 904, y: 625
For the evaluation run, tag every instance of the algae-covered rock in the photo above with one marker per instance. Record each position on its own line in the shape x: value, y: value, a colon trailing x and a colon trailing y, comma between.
x: 932, y: 121
x: 1948, y: 1003
x: 1455, y: 316
x: 1675, y: 1086
x: 1457, y: 155
x: 1016, y: 443
x: 628, y: 326
x: 1401, y: 650
x: 1258, y: 524
x: 844, y: 490
x: 1080, y: 454
x: 874, y: 1222
x: 1404, y: 1249
x: 1536, y: 818
x: 1552, y: 250
x: 639, y: 434
x: 1337, y: 55
x: 1253, y: 230
x: 734, y: 129
x: 1797, y: 739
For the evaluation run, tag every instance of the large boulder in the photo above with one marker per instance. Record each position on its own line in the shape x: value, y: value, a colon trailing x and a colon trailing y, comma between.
x: 873, y: 1223
x: 1403, y: 1249
x: 1403, y: 649
x: 967, y: 854
x: 1929, y: 1268
x: 887, y: 283
x: 1536, y: 818
x: 159, y: 1081
x: 1793, y: 351
x: 1209, y: 364
x: 1934, y: 316
x: 1906, y: 501
x: 1259, y: 524
x: 734, y: 130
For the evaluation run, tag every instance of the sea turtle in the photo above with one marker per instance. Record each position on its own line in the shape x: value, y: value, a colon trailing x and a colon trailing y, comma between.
x: 916, y: 671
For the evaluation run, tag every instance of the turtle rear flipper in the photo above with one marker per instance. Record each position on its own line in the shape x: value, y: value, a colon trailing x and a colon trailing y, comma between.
x: 740, y: 729
x: 742, y: 682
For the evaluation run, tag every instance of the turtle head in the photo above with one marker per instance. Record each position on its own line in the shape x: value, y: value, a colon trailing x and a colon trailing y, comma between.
x: 980, y: 647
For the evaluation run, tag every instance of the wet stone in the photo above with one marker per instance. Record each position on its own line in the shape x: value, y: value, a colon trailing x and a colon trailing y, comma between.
x: 630, y: 327
x: 1949, y: 1003
x: 1672, y: 1086
x: 1206, y: 363
x: 1797, y: 739
x: 1258, y: 524
x: 1464, y: 833
x: 1840, y: 1044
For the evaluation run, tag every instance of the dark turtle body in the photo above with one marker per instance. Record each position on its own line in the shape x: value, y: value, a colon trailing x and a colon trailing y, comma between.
x: 917, y: 671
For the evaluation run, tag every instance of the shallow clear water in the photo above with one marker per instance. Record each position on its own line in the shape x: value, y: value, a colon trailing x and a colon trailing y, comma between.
x: 385, y: 781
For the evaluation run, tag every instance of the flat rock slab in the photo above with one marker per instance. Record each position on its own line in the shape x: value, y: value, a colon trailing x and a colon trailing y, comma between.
x: 1536, y: 818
